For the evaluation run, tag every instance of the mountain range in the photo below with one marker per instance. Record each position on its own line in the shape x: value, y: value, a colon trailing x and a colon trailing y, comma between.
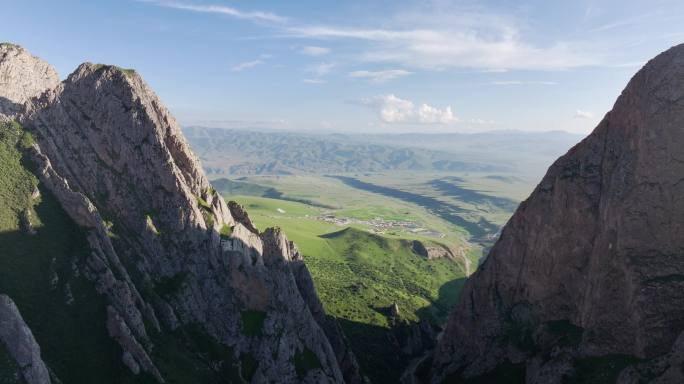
x: 230, y: 152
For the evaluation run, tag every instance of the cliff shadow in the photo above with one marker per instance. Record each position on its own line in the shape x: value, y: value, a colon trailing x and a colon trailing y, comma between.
x: 379, y: 349
x: 448, y: 212
x: 438, y: 311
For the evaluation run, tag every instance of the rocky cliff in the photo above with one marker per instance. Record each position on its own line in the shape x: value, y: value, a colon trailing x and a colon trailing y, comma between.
x: 586, y: 282
x: 189, y: 289
x: 22, y: 76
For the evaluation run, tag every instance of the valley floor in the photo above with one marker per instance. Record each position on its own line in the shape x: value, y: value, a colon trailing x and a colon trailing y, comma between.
x: 364, y: 237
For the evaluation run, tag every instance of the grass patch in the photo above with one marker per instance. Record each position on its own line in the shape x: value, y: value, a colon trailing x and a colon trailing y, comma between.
x: 16, y: 181
x: 207, y: 212
x: 127, y: 71
x: 226, y: 231
x: 202, y: 203
x: 253, y: 322
x: 305, y: 361
x: 11, y: 45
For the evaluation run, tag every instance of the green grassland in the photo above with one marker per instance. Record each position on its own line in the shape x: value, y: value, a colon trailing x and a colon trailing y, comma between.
x: 432, y: 200
x: 357, y: 273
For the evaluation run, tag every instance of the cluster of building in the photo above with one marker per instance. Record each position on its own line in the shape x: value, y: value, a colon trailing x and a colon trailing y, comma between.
x: 379, y: 225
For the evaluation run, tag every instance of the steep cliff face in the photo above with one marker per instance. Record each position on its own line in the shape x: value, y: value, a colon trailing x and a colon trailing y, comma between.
x: 590, y: 269
x: 190, y: 289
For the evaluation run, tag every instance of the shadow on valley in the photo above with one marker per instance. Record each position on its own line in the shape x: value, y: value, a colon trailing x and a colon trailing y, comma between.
x: 228, y: 187
x: 448, y: 295
x: 445, y: 211
x: 449, y: 187
x: 384, y: 353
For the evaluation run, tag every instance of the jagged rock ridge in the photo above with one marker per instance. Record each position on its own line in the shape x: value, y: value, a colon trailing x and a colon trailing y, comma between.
x: 167, y: 253
x: 589, y: 270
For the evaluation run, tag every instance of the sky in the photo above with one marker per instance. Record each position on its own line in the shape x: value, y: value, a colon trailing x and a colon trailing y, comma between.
x: 360, y: 65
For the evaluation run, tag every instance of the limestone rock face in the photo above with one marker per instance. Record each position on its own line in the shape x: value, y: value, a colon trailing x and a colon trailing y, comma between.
x: 20, y: 343
x: 22, y: 76
x: 591, y: 264
x: 116, y: 161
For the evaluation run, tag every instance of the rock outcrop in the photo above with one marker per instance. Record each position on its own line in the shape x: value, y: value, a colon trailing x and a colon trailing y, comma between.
x: 590, y: 268
x: 18, y: 340
x: 22, y: 76
x: 168, y: 255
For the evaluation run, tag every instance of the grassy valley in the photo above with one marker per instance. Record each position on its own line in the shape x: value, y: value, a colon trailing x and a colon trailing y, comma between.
x: 383, y: 221
x: 358, y: 232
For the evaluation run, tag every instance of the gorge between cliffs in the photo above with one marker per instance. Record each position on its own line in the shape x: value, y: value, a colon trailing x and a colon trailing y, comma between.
x: 124, y: 264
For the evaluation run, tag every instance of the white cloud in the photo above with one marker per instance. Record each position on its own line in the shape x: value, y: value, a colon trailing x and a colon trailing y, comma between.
x: 432, y: 115
x: 379, y: 76
x: 521, y: 82
x: 246, y: 65
x: 314, y: 81
x: 258, y: 16
x: 321, y: 69
x: 396, y: 110
x: 314, y: 51
x: 393, y: 109
x: 580, y: 114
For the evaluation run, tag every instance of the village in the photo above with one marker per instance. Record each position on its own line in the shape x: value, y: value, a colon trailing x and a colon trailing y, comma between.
x: 380, y: 226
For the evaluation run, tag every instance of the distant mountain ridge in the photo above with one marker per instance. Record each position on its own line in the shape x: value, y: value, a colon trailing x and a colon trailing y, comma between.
x: 228, y: 152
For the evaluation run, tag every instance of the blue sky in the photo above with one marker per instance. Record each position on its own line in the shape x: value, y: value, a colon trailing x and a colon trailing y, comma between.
x: 362, y: 66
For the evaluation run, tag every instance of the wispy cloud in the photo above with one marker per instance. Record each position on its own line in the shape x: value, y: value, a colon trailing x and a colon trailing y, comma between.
x: 393, y: 109
x: 246, y: 65
x: 314, y: 81
x: 430, y: 38
x: 321, y: 69
x: 522, y: 82
x: 495, y: 49
x: 258, y: 16
x: 314, y: 51
x: 379, y: 76
x: 580, y: 114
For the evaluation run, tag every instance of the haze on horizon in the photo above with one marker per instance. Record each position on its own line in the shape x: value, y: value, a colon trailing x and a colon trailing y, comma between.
x: 356, y: 66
